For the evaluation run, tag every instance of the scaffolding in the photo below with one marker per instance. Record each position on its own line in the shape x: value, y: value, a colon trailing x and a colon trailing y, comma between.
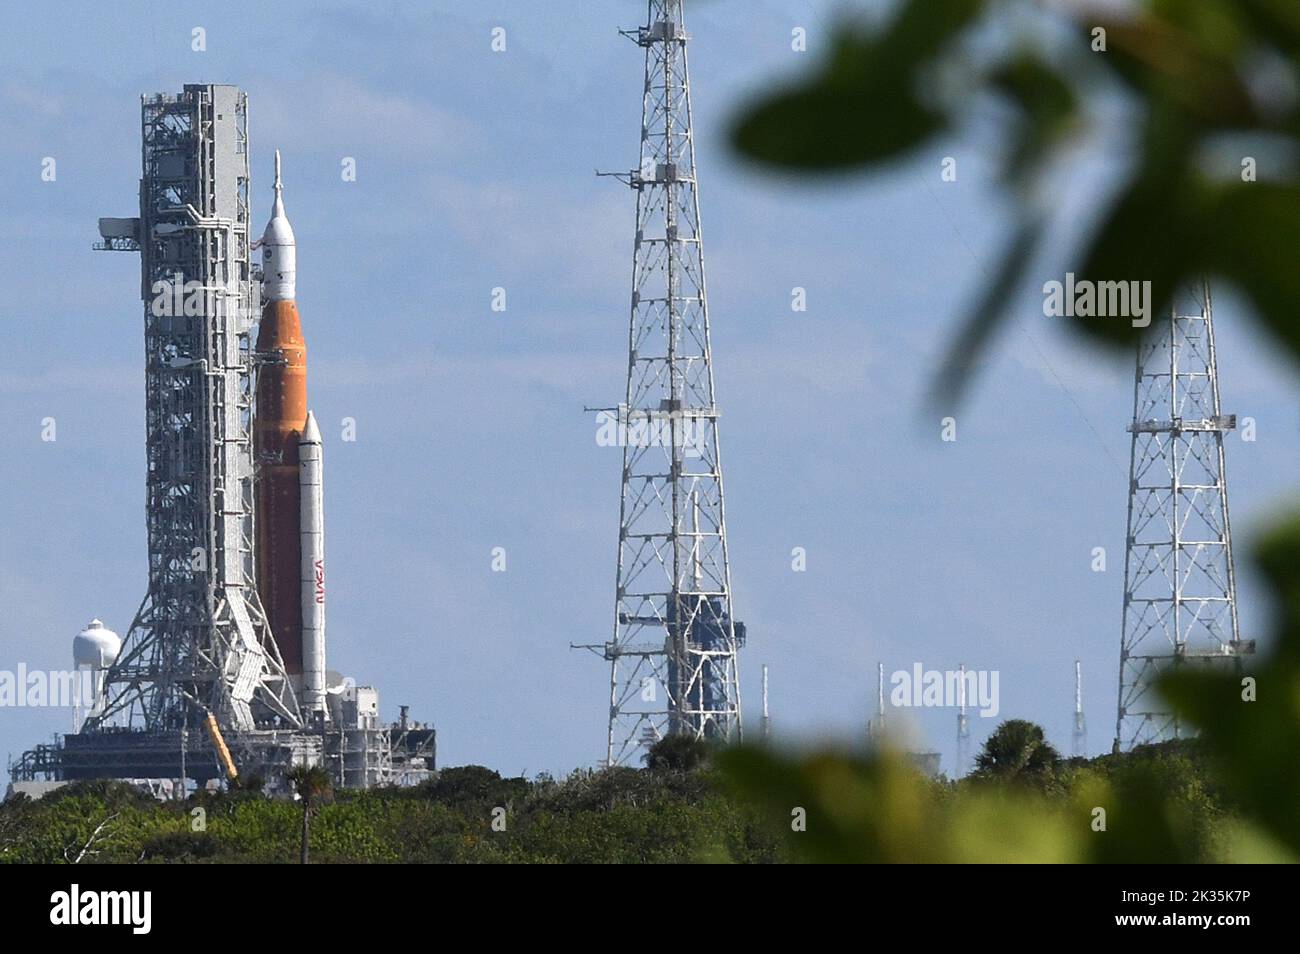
x: 198, y: 643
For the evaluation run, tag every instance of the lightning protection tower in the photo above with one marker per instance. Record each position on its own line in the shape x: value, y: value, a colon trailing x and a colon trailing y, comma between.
x: 876, y: 724
x: 673, y: 653
x: 963, y: 727
x: 1079, y: 736
x: 1180, y: 603
x: 199, y: 641
x: 766, y: 728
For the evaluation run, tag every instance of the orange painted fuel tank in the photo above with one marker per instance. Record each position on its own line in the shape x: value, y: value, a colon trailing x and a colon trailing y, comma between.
x: 281, y: 414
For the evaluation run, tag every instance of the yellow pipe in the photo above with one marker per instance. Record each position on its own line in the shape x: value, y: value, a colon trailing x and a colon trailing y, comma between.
x: 219, y: 743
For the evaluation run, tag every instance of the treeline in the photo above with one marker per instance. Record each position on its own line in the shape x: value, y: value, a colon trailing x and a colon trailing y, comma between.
x: 468, y: 814
x: 1023, y: 803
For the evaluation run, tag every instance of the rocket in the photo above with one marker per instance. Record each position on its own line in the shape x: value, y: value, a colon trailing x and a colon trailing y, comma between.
x: 311, y: 548
x: 288, y: 514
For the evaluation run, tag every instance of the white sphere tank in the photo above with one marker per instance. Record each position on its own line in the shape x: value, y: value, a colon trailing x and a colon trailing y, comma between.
x: 96, y: 646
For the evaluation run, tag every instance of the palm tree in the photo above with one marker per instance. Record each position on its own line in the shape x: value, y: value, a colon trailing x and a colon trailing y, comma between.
x: 676, y: 753
x: 313, y: 786
x: 1017, y: 749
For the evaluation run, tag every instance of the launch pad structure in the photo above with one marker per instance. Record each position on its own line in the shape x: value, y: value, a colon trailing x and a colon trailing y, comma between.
x: 200, y: 643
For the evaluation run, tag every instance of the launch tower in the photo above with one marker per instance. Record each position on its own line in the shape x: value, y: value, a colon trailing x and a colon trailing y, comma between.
x: 202, y: 670
x: 199, y: 641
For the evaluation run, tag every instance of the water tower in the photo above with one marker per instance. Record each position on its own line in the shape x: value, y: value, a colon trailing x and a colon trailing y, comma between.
x: 94, y: 649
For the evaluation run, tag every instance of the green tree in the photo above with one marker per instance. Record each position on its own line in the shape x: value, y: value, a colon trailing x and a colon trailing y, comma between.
x: 313, y: 786
x: 1017, y: 750
x: 676, y: 753
x: 474, y: 787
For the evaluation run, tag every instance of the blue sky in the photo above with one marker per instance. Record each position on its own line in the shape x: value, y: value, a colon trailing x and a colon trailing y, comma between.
x: 475, y: 170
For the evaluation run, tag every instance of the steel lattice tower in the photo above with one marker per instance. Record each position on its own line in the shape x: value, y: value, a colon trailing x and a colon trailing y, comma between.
x: 1179, y: 589
x: 673, y: 654
x: 199, y: 640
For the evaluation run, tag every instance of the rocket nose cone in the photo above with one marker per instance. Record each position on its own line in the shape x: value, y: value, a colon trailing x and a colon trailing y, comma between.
x: 310, y: 432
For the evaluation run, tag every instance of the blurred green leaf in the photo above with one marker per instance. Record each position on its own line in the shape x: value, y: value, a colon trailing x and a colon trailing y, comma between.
x: 1186, y: 65
x: 1258, y: 742
x: 1276, y: 20
x: 1190, y: 71
x: 1187, y: 57
x: 1156, y: 232
x: 986, y: 314
x: 1047, y: 105
x: 863, y: 105
x: 1256, y: 234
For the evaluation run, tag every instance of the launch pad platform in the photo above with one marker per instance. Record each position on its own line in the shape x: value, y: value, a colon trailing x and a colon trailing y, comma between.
x: 360, y: 757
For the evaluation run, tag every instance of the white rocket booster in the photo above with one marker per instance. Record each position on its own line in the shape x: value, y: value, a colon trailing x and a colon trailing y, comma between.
x: 312, y: 546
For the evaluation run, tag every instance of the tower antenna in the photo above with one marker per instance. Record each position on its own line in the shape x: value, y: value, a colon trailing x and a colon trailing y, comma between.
x: 673, y: 651
x: 1180, y: 593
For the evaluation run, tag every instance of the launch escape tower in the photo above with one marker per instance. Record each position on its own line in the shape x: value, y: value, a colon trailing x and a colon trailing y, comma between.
x: 198, y: 642
x: 1180, y: 604
x: 673, y: 653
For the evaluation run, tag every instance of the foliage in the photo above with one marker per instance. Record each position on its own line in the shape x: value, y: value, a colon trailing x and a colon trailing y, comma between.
x: 620, y: 815
x: 474, y: 786
x: 1016, y: 751
x: 1197, y: 82
x: 1256, y: 743
x: 1161, y: 803
x: 1192, y: 73
x: 313, y: 785
x: 1157, y: 804
x: 1193, y: 76
x: 676, y: 753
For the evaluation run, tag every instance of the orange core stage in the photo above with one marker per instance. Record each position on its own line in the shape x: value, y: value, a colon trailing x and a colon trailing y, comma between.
x: 281, y: 415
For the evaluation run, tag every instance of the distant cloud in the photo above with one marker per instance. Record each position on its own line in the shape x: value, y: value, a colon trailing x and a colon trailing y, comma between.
x: 340, y: 114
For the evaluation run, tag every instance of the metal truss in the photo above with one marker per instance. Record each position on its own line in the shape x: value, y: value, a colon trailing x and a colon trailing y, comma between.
x: 1180, y: 604
x: 199, y: 641
x: 673, y: 654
